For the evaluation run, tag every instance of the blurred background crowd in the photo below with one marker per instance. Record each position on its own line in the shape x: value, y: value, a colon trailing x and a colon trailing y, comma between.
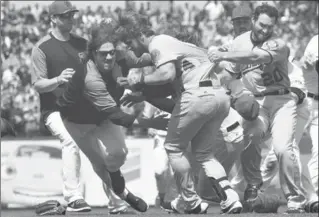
x: 22, y: 28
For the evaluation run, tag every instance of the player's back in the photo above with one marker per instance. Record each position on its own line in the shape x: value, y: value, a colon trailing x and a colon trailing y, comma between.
x: 311, y: 76
x: 263, y: 77
x: 192, y: 62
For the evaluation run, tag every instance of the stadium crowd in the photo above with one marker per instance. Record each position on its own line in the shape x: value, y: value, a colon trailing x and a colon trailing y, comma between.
x: 22, y: 28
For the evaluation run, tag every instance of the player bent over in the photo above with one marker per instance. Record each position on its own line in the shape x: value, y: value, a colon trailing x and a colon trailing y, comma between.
x: 201, y: 106
x: 262, y: 60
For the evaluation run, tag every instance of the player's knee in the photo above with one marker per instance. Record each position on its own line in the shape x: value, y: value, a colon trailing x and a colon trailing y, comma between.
x: 115, y: 160
x: 99, y: 169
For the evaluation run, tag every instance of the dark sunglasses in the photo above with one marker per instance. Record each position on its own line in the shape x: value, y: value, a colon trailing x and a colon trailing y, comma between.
x: 66, y: 15
x: 105, y: 53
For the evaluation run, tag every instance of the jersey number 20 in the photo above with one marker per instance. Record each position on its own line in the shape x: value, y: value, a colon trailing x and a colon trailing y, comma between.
x: 271, y: 78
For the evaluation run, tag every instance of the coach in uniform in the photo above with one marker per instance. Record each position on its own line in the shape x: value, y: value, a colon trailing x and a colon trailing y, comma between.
x: 262, y: 59
x: 55, y: 58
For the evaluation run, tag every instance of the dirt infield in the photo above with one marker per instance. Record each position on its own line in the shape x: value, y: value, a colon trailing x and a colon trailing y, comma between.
x: 152, y: 212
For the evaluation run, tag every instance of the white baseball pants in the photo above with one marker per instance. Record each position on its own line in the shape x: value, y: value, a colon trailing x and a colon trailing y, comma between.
x: 70, y: 158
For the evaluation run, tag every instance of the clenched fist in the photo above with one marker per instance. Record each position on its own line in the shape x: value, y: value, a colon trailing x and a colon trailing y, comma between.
x: 134, y: 80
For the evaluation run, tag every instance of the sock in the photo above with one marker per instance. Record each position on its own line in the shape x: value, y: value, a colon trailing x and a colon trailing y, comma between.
x: 161, y: 197
x: 118, y: 182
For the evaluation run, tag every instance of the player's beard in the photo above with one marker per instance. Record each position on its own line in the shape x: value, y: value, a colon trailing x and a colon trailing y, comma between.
x: 258, y: 36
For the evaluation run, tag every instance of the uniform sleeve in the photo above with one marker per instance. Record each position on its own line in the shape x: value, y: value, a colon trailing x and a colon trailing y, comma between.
x: 96, y: 92
x: 162, y: 50
x: 138, y: 62
x: 296, y: 76
x: 312, y: 47
x: 39, y: 66
x: 277, y: 50
x: 232, y: 68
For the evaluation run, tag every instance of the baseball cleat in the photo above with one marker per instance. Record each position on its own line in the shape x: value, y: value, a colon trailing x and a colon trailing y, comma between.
x: 312, y: 207
x: 78, y: 206
x: 119, y: 210
x: 294, y: 210
x: 169, y: 207
x: 234, y: 208
x: 136, y: 203
x: 200, y: 209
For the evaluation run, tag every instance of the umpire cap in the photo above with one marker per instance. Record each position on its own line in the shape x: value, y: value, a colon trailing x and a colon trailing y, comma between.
x: 61, y: 7
x: 241, y: 11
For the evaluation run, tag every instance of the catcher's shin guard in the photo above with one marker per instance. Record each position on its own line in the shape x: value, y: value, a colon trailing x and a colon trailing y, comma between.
x: 220, y: 188
x: 118, y: 182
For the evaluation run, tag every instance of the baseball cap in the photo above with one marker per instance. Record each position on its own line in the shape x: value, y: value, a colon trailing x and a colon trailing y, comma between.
x: 61, y: 7
x: 241, y: 11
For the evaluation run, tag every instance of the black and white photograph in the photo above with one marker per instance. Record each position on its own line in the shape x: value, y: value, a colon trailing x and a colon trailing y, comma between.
x: 159, y: 108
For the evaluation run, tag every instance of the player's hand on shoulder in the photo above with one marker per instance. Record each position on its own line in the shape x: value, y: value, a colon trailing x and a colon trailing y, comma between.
x: 65, y: 75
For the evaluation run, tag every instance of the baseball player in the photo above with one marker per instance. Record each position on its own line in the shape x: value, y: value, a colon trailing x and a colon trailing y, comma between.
x: 261, y: 58
x: 231, y: 129
x: 269, y: 166
x: 201, y: 106
x: 89, y: 105
x: 310, y: 72
x: 54, y: 60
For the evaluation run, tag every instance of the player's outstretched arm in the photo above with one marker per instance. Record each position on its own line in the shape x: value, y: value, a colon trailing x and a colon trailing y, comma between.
x: 271, y: 51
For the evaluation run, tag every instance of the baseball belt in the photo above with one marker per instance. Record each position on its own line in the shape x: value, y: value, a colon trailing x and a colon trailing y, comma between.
x: 232, y: 127
x: 276, y: 92
x: 207, y: 83
x: 313, y: 96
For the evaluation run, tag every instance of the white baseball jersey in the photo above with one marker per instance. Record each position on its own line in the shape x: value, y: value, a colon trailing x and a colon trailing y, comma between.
x: 164, y: 48
x: 311, y: 77
x: 262, y: 77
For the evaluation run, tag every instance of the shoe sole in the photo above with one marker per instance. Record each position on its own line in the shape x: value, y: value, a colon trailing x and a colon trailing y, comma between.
x: 121, y: 210
x: 169, y: 211
x: 204, y: 211
x: 83, y: 209
x: 236, y: 208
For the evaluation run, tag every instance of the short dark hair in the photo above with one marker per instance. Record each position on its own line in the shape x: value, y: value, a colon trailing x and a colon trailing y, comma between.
x: 133, y: 24
x: 265, y: 8
x: 100, y: 34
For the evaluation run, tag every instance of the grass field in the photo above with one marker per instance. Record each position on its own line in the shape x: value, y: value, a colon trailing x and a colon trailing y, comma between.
x: 152, y: 212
